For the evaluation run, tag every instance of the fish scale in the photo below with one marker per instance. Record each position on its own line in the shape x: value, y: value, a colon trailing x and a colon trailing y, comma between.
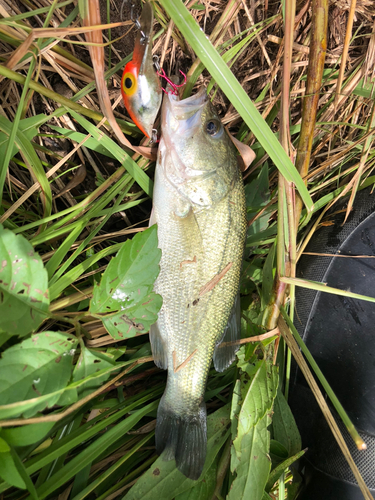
x: 199, y: 206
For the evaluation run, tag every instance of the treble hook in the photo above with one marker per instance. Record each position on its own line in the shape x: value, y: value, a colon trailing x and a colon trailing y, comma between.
x: 174, y: 86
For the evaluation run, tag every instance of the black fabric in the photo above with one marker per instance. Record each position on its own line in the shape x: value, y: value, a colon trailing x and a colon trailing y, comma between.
x: 340, y: 334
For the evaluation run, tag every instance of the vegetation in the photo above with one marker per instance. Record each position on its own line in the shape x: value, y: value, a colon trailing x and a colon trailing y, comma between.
x: 78, y: 387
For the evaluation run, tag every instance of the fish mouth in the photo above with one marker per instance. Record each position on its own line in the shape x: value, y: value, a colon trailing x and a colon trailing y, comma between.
x: 183, y: 118
x: 182, y: 110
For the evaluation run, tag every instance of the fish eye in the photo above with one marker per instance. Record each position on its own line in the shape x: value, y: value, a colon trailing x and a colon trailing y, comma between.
x: 213, y: 127
x: 129, y: 83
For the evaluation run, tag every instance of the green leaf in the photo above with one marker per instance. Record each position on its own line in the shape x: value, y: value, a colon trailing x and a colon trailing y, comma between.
x: 250, y: 459
x: 278, y: 452
x: 9, y: 471
x: 268, y: 275
x: 26, y: 435
x: 257, y: 192
x: 164, y: 480
x: 277, y: 471
x: 24, y: 297
x: 90, y: 362
x: 205, y: 488
x: 92, y: 451
x: 29, y: 128
x: 36, y: 367
x: 293, y: 487
x: 29, y: 485
x: 4, y: 447
x: 32, y: 160
x: 65, y: 395
x: 285, y: 429
x: 90, y: 143
x: 126, y: 287
x: 251, y: 275
x: 127, y: 162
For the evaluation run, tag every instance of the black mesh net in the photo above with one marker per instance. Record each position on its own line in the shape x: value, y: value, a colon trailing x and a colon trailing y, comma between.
x: 340, y: 333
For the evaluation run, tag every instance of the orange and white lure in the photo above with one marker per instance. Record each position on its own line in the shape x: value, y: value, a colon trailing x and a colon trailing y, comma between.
x: 140, y: 84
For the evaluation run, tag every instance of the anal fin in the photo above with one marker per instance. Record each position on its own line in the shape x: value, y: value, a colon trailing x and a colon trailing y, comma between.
x: 225, y: 350
x: 157, y: 347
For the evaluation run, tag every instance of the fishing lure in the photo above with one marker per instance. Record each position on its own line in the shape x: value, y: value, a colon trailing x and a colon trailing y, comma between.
x: 140, y: 85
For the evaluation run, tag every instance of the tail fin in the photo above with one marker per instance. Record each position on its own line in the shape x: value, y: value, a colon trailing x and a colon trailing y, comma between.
x: 183, y: 437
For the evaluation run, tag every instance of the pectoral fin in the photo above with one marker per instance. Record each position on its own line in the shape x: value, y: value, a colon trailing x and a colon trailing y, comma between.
x: 225, y: 350
x: 157, y: 348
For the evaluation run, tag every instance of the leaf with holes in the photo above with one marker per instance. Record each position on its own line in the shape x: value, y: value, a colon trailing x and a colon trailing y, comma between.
x: 124, y: 300
x: 88, y: 363
x: 36, y: 367
x: 24, y: 299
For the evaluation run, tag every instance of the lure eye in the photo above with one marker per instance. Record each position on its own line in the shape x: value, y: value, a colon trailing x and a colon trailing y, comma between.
x: 213, y: 128
x: 129, y: 83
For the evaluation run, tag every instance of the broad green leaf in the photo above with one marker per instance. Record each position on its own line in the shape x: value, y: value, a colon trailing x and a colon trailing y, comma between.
x: 36, y: 367
x: 24, y: 297
x: 4, y: 447
x: 203, y: 489
x: 278, y: 452
x: 9, y: 471
x: 26, y: 435
x: 284, y: 426
x: 235, y: 93
x: 29, y: 485
x: 250, y: 461
x: 124, y: 296
x: 65, y: 395
x: 164, y: 480
x: 90, y: 362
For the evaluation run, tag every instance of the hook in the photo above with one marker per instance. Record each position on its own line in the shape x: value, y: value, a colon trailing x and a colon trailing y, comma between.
x: 174, y: 86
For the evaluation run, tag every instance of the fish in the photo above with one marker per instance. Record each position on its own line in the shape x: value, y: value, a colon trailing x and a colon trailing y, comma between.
x: 140, y: 85
x: 200, y: 211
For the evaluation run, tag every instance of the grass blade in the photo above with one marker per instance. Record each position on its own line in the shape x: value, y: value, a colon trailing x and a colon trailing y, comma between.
x: 235, y: 93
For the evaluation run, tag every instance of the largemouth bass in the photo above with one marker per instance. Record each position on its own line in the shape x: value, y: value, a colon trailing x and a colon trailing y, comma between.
x: 199, y: 206
x: 140, y: 85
